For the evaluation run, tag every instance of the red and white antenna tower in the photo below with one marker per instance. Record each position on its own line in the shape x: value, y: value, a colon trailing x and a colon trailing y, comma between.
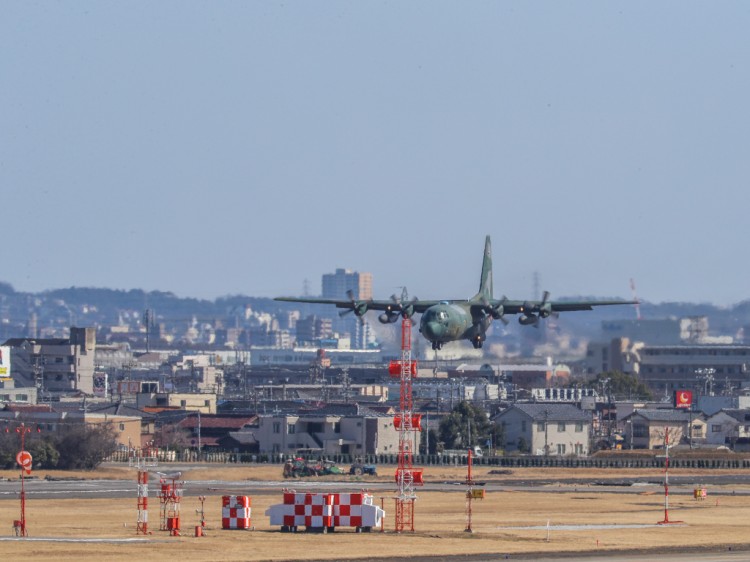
x: 407, y: 424
x: 635, y: 298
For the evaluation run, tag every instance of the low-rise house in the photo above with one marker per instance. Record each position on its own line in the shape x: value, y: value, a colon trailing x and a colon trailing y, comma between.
x: 9, y: 393
x: 647, y: 429
x: 346, y: 429
x: 546, y: 429
x: 216, y: 431
x: 117, y: 409
x: 127, y: 428
x: 728, y: 427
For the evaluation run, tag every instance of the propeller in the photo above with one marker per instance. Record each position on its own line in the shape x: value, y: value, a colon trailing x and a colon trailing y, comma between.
x: 406, y: 309
x: 497, y: 311
x: 545, y: 308
x: 542, y: 310
x: 358, y: 307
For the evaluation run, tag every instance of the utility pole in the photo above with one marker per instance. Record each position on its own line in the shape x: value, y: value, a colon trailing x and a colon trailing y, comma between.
x: 199, y: 435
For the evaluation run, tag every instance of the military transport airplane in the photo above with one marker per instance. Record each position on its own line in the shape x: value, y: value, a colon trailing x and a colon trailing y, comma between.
x: 452, y: 320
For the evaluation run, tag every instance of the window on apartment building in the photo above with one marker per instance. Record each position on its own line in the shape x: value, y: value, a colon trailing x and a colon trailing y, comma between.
x: 337, y: 427
x: 715, y: 428
x: 561, y: 427
x: 290, y: 428
x: 540, y: 427
x: 640, y: 430
x: 277, y: 427
x: 22, y: 397
x: 122, y: 427
x: 58, y: 359
x: 183, y: 403
x: 560, y: 448
x: 207, y: 403
x: 578, y: 449
x: 579, y: 427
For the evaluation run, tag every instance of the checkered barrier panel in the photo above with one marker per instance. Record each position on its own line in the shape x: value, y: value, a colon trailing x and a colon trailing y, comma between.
x: 326, y: 510
x: 235, y: 512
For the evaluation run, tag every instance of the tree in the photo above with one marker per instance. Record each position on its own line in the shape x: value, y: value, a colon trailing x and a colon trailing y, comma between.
x: 466, y: 426
x: 429, y: 437
x: 83, y: 446
x: 620, y: 386
x: 44, y: 453
x: 8, y: 448
x: 172, y: 436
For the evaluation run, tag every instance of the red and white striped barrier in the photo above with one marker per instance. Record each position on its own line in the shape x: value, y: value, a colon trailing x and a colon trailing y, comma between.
x: 325, y: 512
x: 235, y: 512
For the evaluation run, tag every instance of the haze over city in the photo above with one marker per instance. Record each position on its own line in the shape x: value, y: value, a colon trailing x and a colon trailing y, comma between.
x: 241, y: 148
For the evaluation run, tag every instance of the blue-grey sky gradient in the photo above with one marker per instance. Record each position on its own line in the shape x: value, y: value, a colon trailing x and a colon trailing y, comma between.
x: 214, y: 148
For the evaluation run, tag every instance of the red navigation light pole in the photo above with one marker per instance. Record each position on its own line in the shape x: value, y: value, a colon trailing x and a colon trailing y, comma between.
x: 23, y: 458
x: 666, y: 482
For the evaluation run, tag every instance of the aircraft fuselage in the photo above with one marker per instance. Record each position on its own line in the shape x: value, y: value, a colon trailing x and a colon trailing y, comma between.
x: 446, y: 322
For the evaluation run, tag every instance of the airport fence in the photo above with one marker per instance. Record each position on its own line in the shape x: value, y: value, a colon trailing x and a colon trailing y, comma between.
x: 228, y: 457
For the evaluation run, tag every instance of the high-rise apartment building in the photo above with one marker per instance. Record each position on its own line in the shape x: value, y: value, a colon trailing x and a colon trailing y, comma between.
x: 336, y: 285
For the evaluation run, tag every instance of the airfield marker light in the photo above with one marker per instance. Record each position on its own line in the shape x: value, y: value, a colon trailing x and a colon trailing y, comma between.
x: 142, y: 463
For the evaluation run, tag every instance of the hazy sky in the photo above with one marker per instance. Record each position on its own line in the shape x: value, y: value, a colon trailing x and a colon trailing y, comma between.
x: 214, y: 148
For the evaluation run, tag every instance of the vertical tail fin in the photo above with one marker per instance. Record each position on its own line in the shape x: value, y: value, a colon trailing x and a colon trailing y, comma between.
x: 485, y: 283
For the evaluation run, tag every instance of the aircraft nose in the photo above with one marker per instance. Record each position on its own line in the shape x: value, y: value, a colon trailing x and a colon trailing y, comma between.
x: 432, y: 329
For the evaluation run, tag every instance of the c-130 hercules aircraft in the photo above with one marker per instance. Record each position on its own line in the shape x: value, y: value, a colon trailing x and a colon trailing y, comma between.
x: 452, y: 320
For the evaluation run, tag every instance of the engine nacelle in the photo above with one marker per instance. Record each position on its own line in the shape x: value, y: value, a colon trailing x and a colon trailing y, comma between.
x: 497, y: 312
x: 528, y: 319
x: 388, y: 318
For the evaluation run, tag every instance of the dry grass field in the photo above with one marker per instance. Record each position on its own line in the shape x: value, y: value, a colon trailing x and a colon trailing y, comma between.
x: 498, y: 521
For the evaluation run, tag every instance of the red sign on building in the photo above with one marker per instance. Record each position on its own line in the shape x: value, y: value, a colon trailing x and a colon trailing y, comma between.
x: 683, y: 398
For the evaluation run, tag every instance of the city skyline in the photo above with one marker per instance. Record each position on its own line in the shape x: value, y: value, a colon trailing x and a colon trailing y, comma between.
x: 244, y: 148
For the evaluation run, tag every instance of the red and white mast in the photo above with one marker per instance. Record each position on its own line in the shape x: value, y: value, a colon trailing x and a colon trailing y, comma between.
x: 407, y: 424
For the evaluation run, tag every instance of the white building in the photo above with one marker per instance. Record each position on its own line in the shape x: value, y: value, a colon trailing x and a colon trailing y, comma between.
x: 546, y: 429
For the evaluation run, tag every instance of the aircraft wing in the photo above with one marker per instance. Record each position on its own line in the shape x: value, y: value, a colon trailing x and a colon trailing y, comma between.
x: 567, y: 306
x: 518, y: 307
x: 362, y: 306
